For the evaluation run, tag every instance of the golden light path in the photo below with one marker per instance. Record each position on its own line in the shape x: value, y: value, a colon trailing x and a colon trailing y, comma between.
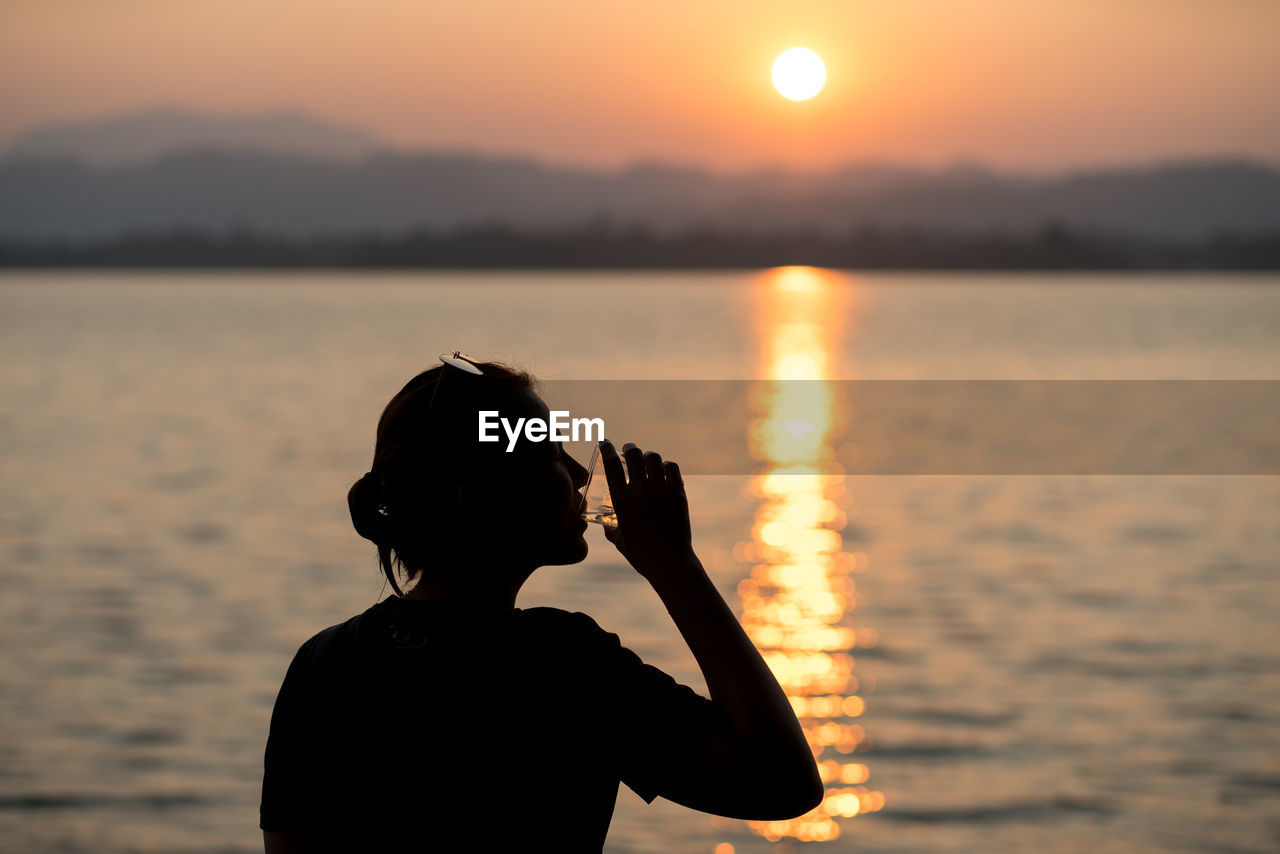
x: 799, y: 596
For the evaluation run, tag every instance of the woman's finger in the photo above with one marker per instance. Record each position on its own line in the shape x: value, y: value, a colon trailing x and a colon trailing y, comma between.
x: 614, y: 475
x: 679, y: 502
x: 671, y: 473
x: 635, y: 466
x: 655, y: 477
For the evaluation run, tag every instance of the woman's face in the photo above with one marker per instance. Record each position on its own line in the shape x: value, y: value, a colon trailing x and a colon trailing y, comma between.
x: 536, y: 497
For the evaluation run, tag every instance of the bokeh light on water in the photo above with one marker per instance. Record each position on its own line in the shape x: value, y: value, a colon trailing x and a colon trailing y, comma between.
x: 799, y: 598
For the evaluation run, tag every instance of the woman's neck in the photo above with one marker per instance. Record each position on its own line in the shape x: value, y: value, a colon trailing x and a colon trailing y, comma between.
x: 492, y: 596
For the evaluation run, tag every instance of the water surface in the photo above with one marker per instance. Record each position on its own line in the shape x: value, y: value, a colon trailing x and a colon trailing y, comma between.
x: 1040, y: 663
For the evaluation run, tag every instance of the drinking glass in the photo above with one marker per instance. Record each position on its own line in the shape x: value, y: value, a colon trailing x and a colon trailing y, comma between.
x: 597, y: 505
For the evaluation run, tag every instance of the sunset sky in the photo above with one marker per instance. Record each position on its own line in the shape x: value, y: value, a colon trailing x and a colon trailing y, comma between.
x: 1019, y: 84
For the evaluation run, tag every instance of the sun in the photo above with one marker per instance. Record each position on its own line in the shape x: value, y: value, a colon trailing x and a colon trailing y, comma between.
x: 798, y: 74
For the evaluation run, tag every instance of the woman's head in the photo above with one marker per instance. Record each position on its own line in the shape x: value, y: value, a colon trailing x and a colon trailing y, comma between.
x: 437, y: 499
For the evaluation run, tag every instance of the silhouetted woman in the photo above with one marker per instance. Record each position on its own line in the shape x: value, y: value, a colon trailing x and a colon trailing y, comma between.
x: 445, y: 718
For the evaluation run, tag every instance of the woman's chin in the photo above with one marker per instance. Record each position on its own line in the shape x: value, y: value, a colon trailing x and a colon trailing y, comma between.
x: 579, y: 549
x: 571, y: 551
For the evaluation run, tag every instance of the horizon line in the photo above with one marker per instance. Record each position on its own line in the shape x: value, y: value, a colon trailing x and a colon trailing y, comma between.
x: 379, y: 146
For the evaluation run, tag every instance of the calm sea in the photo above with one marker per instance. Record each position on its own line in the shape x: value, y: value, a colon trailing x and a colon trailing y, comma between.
x: 1034, y: 663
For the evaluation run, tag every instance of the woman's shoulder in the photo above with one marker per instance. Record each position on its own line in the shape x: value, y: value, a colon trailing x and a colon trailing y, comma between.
x: 388, y: 624
x: 328, y: 643
x: 558, y: 620
x: 571, y: 630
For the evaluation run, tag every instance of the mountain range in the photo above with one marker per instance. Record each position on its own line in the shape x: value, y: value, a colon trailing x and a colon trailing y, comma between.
x: 289, y: 175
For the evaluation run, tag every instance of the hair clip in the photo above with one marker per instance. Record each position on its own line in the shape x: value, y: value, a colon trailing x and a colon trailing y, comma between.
x: 462, y: 362
x: 458, y: 360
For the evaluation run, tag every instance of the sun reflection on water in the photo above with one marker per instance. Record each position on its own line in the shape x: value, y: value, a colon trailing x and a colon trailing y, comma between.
x: 799, y: 596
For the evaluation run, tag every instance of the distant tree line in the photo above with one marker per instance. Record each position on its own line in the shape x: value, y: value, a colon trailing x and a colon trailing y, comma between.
x: 1051, y: 246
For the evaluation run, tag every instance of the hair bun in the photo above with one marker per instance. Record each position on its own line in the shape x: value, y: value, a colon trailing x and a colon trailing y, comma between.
x: 367, y: 504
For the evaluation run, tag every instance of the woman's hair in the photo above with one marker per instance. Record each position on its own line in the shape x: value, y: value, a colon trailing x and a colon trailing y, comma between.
x: 426, y: 441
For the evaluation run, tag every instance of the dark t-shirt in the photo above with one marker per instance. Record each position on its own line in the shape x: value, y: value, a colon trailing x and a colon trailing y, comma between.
x: 419, y: 727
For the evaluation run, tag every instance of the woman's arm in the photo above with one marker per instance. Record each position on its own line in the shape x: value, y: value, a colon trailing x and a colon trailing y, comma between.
x: 760, y: 766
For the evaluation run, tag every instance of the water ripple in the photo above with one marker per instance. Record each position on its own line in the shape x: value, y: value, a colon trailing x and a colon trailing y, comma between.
x: 95, y: 801
x: 1012, y: 811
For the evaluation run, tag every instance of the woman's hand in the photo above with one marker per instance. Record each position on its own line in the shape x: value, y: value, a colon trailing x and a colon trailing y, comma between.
x: 653, y: 531
x: 758, y: 764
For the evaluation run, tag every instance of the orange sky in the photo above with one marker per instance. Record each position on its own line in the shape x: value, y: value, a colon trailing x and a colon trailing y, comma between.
x: 1023, y: 84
